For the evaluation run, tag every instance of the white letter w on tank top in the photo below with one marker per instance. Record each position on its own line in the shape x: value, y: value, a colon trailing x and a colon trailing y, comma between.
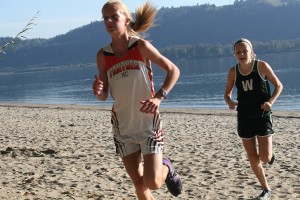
x: 247, y: 85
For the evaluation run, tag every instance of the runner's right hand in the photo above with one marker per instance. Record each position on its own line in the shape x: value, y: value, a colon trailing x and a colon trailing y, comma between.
x: 97, y: 86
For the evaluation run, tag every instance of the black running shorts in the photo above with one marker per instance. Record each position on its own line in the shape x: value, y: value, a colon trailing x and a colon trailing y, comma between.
x: 249, y: 127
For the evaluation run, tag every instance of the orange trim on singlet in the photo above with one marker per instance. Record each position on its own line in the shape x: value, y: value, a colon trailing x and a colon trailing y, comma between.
x: 133, y: 53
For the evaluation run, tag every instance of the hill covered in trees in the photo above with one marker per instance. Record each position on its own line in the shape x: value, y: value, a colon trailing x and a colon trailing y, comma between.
x: 185, y: 32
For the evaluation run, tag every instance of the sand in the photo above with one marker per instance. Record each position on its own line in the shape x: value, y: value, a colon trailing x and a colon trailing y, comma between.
x: 67, y: 152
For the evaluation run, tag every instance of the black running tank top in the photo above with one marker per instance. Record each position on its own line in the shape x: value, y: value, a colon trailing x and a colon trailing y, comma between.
x: 252, y: 90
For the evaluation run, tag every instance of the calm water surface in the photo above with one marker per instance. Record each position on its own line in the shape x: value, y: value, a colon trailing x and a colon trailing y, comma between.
x: 201, y: 84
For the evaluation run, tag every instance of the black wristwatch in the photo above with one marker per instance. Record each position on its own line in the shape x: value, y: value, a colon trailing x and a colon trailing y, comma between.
x: 163, y: 93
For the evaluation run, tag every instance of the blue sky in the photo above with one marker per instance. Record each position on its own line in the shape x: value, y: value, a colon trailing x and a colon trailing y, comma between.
x: 60, y: 16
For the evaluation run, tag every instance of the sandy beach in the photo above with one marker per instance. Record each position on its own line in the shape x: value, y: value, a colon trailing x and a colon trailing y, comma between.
x: 67, y: 152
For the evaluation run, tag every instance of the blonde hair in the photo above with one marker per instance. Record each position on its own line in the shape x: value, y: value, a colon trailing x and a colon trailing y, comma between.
x: 144, y: 16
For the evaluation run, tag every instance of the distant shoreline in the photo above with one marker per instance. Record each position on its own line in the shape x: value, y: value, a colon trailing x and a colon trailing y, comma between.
x: 192, y: 111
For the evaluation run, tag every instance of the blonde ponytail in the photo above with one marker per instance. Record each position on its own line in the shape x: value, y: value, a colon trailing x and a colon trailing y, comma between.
x: 145, y: 16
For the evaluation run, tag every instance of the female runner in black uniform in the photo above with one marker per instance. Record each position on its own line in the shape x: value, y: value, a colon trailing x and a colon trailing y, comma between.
x: 254, y: 101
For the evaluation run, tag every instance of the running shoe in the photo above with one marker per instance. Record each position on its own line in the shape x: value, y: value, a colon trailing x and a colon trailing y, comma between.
x: 173, y: 180
x: 272, y: 159
x: 264, y: 195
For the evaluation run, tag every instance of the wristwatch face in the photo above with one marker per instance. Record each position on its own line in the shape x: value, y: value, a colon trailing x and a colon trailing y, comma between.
x: 163, y: 93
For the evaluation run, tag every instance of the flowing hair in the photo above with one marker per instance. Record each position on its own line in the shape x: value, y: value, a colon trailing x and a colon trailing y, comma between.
x: 144, y: 16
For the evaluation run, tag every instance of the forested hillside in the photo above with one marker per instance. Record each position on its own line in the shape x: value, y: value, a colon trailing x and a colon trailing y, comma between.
x: 184, y: 32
